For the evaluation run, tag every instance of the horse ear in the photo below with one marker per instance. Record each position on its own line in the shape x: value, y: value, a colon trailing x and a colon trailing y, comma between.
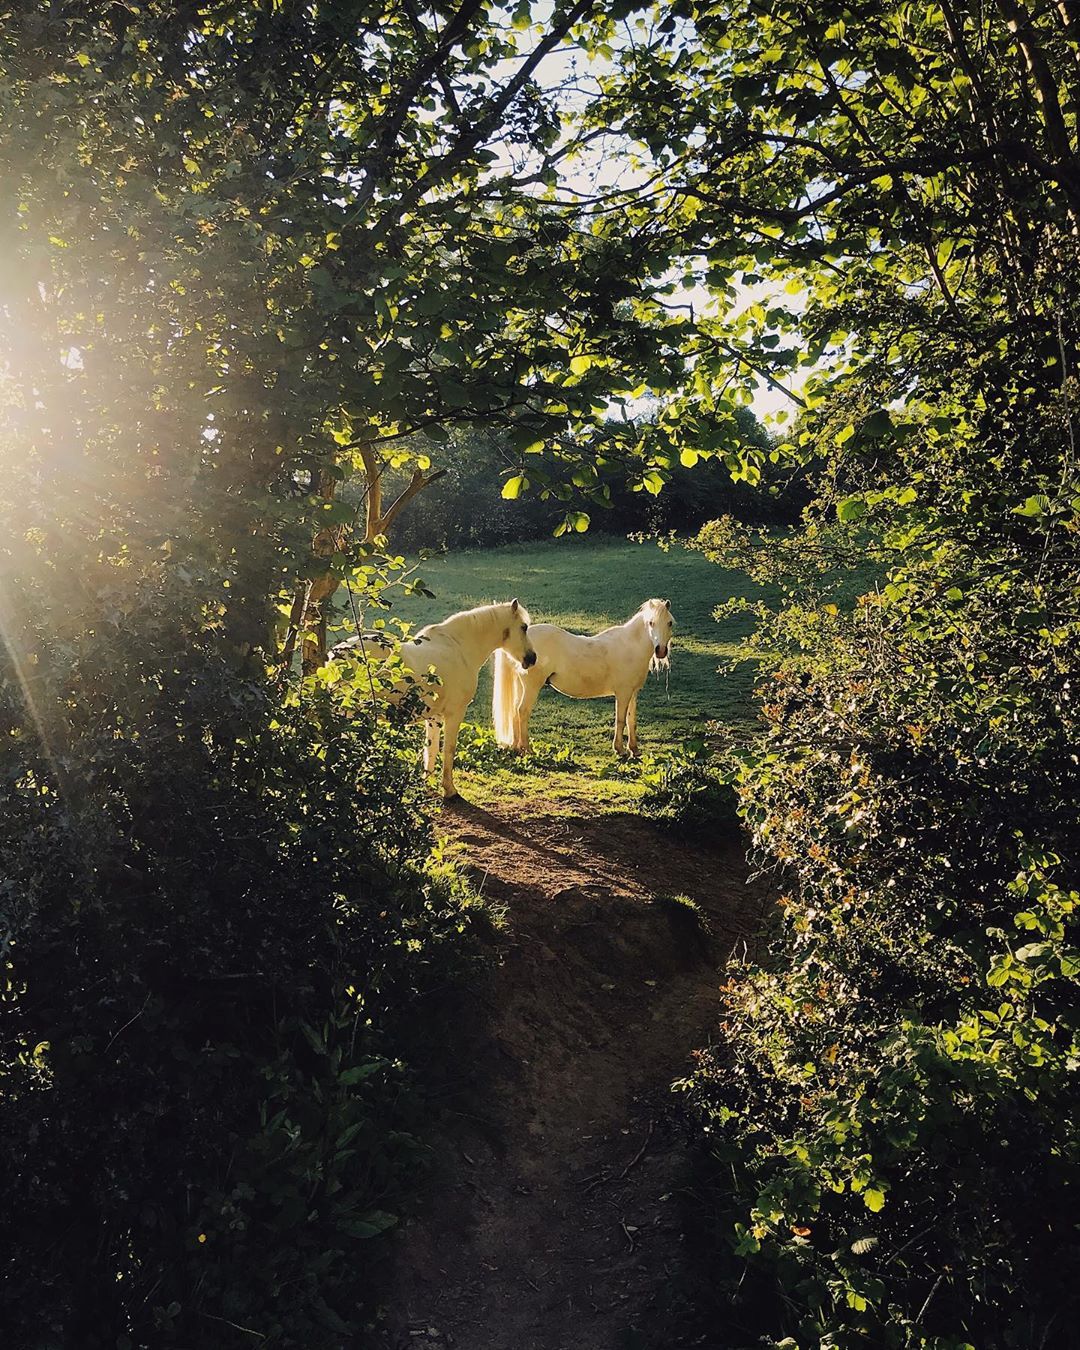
x: 514, y: 605
x: 667, y: 603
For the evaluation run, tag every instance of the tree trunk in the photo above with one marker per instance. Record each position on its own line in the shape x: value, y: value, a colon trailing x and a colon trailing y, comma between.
x: 311, y: 600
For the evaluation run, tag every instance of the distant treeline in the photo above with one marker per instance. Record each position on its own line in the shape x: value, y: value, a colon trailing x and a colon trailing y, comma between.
x: 465, y: 508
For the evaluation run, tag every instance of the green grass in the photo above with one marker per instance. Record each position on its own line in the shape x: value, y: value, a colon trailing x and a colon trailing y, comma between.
x: 587, y: 585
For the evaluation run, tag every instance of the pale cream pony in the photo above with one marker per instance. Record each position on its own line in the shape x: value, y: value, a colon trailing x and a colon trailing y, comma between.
x: 613, y: 663
x: 453, y: 651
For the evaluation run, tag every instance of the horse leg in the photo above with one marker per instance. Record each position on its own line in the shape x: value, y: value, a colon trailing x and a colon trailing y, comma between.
x: 523, y: 712
x: 451, y: 725
x: 631, y: 723
x: 431, y: 745
x: 620, y: 723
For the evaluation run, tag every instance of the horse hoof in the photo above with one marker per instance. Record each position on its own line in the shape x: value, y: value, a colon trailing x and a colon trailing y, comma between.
x: 448, y: 796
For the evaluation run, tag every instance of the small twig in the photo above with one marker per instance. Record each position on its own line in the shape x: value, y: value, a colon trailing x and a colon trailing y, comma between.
x: 249, y: 1331
x: 595, y: 1179
x: 602, y: 1178
x: 641, y: 1151
x: 360, y: 638
x: 627, y: 1234
x: 127, y: 1024
x: 922, y: 1311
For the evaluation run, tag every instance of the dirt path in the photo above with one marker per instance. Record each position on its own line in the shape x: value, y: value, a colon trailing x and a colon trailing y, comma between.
x: 554, y: 1221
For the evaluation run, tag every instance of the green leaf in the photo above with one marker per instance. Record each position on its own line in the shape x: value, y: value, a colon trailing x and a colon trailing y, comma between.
x: 512, y: 487
x: 874, y: 1199
x: 878, y: 424
x: 997, y: 975
x: 850, y: 509
x: 688, y: 458
x: 371, y: 1224
x: 359, y: 1072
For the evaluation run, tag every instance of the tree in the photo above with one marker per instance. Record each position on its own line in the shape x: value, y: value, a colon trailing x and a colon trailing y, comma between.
x: 891, y: 1115
x: 252, y: 248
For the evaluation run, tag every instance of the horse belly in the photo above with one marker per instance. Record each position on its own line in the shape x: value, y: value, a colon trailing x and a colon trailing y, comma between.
x: 417, y: 662
x: 582, y: 683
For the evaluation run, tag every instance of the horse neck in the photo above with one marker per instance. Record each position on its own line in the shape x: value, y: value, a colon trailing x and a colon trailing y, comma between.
x: 635, y: 626
x: 477, y: 631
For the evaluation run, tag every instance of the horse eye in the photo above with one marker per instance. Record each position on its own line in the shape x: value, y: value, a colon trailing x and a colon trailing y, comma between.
x: 524, y: 627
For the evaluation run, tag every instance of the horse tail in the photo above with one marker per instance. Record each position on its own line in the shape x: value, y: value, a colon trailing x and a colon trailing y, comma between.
x: 504, y: 691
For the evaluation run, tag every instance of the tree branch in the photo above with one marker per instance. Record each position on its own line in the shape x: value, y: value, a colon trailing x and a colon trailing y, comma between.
x: 419, y: 482
x: 485, y: 125
x: 373, y: 469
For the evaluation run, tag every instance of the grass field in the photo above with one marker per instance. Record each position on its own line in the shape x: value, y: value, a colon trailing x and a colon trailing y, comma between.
x: 587, y: 585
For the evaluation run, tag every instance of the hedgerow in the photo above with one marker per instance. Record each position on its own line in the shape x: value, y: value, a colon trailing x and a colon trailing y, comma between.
x: 891, y: 1112
x: 225, y: 953
x: 890, y: 1116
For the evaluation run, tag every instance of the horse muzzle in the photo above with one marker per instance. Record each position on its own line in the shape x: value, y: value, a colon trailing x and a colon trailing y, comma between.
x: 529, y: 659
x: 661, y: 652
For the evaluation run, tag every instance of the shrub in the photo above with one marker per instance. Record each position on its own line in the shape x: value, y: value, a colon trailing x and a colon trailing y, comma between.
x: 223, y: 950
x: 891, y: 1119
x: 689, y: 791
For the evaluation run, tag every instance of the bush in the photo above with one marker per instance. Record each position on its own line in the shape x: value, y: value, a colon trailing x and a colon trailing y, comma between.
x: 479, y: 751
x: 689, y: 791
x: 891, y: 1119
x: 223, y: 950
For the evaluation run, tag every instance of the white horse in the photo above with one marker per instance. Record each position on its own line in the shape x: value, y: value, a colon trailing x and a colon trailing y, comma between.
x: 454, y: 651
x: 615, y: 661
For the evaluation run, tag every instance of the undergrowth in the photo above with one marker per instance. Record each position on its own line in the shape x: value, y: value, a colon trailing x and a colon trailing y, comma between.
x: 227, y: 946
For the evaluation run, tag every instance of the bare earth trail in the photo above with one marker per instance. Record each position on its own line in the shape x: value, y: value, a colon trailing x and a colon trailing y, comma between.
x: 554, y: 1219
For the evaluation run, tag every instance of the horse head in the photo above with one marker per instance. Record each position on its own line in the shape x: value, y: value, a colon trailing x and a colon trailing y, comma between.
x: 516, y: 635
x: 659, y: 624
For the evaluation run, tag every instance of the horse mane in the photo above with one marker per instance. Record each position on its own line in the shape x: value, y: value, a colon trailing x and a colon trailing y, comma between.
x: 480, y: 615
x: 650, y: 606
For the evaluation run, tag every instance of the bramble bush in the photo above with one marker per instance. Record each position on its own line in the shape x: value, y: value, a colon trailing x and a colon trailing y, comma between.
x: 891, y: 1115
x: 894, y: 1104
x: 225, y: 947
